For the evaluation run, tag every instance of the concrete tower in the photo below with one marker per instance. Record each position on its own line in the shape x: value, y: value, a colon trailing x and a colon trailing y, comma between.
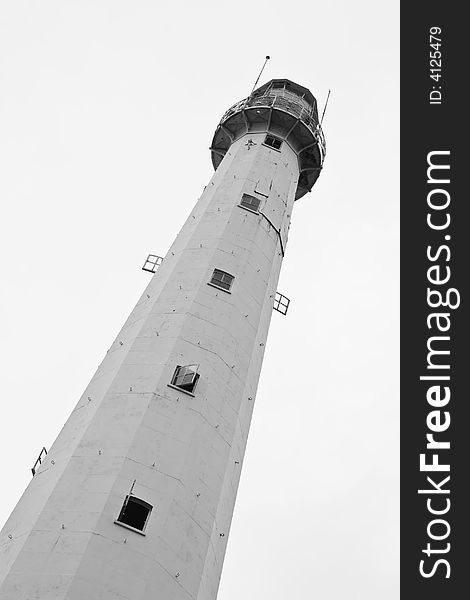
x: 135, y: 498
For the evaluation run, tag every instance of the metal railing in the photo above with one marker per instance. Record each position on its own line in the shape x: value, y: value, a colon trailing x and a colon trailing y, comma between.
x: 286, y: 101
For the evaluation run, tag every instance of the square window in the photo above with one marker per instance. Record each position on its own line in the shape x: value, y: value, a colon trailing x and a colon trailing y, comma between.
x: 281, y: 303
x: 134, y: 513
x: 250, y: 203
x: 222, y: 280
x: 152, y: 263
x: 273, y: 142
x: 185, y: 377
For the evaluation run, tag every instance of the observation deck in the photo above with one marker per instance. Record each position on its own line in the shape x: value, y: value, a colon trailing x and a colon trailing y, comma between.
x: 286, y: 110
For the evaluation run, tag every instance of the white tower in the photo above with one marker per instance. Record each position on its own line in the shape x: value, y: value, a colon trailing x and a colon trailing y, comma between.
x: 135, y: 498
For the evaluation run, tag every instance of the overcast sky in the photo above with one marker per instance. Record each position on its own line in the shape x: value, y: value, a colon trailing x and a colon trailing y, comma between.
x: 107, y: 110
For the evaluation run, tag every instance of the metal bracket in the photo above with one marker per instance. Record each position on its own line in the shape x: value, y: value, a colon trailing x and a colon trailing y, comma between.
x: 281, y: 303
x: 152, y: 263
x: 39, y: 460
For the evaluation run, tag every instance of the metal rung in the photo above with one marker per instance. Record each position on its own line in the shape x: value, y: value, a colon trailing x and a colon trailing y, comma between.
x: 281, y: 303
x: 152, y: 263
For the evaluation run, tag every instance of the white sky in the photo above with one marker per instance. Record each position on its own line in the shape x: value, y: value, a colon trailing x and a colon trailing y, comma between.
x: 107, y: 110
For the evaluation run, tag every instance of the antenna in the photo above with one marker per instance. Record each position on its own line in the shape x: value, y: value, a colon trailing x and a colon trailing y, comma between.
x: 260, y: 73
x: 326, y: 104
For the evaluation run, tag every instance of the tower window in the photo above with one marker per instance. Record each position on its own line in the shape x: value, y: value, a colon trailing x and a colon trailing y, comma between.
x: 222, y: 280
x: 281, y: 303
x: 185, y: 378
x: 152, y: 263
x: 134, y: 513
x: 273, y: 142
x: 250, y: 203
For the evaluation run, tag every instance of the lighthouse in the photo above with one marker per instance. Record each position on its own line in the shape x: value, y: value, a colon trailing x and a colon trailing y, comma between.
x: 135, y: 498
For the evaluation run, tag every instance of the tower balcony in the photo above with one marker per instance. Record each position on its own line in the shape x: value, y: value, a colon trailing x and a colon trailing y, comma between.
x: 285, y: 110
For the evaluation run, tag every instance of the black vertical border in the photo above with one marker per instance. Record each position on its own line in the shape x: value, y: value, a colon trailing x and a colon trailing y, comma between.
x: 426, y: 128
